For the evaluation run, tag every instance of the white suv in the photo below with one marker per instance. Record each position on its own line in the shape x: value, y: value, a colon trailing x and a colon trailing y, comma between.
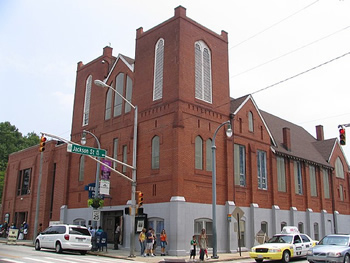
x: 64, y: 237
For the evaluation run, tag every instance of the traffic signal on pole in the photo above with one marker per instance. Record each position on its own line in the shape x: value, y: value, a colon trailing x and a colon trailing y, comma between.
x: 342, y: 136
x: 139, y: 199
x: 42, y: 144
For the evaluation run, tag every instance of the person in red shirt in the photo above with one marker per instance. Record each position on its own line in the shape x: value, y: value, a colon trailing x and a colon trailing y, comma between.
x: 163, y: 242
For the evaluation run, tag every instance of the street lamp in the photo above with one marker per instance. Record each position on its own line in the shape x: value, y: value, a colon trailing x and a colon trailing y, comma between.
x: 213, y: 148
x: 100, y: 83
x: 97, y: 179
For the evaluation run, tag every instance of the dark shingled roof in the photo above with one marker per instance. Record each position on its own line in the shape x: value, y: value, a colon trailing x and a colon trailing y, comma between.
x: 131, y: 61
x: 326, y: 147
x: 303, y: 144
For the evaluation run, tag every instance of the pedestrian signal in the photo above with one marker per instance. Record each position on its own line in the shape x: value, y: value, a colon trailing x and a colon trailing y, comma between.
x: 342, y: 136
x: 42, y: 144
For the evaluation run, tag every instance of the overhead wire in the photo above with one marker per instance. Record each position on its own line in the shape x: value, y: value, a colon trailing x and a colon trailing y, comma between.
x: 290, y: 52
x: 273, y: 25
x: 301, y: 73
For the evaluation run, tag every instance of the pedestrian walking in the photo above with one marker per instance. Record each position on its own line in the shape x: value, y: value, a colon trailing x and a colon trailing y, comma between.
x: 149, y: 243
x: 203, y: 245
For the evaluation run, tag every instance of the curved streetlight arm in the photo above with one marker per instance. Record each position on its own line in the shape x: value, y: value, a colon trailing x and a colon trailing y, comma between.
x: 102, y: 84
x: 93, y: 135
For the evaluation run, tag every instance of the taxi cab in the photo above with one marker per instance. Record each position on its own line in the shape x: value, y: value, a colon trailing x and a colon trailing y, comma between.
x: 290, y: 243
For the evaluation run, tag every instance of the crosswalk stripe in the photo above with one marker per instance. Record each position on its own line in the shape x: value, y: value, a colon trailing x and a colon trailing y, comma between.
x: 35, y: 259
x: 12, y: 260
x: 59, y: 259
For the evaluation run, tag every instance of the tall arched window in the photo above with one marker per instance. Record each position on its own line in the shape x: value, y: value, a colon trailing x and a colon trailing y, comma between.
x: 155, y: 152
x: 81, y: 168
x: 339, y: 169
x: 199, y: 153
x: 108, y: 104
x: 158, y: 70
x: 203, y: 82
x: 250, y: 121
x: 118, y: 101
x: 87, y: 101
x: 209, y: 156
x: 128, y: 93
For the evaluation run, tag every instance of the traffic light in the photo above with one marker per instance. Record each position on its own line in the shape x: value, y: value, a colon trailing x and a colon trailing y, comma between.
x: 42, y: 144
x: 139, y: 198
x: 342, y: 136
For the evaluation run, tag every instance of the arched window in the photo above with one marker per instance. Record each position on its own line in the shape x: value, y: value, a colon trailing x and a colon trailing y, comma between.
x: 108, y: 104
x: 209, y: 155
x: 203, y: 82
x: 128, y: 93
x: 87, y: 101
x: 158, y: 225
x: 283, y: 224
x: 339, y: 168
x: 316, y: 231
x: 158, y: 70
x: 207, y: 224
x: 79, y: 222
x: 115, y: 151
x: 81, y: 168
x: 199, y: 153
x: 301, y: 227
x: 264, y: 227
x: 155, y: 152
x: 250, y: 121
x: 118, y: 101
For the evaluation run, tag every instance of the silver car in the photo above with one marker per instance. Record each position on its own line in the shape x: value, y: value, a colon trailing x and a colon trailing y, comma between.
x: 64, y: 237
x: 332, y: 248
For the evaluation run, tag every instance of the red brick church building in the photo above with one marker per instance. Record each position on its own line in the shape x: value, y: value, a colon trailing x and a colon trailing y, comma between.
x: 273, y: 170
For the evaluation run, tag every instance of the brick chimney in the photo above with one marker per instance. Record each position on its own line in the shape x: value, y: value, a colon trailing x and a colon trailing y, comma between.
x: 319, y: 133
x: 286, y: 139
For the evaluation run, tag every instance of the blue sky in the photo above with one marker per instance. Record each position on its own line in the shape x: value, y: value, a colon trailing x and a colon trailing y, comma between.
x: 269, y: 41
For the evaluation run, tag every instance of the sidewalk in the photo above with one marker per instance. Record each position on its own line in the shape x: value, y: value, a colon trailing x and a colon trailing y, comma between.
x: 124, y: 254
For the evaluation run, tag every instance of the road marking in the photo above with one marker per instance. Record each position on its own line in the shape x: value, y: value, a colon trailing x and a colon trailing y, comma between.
x: 11, y: 260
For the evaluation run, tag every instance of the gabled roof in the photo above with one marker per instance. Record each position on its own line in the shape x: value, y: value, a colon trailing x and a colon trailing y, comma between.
x: 303, y: 144
x: 129, y: 62
x: 237, y: 104
x: 326, y: 147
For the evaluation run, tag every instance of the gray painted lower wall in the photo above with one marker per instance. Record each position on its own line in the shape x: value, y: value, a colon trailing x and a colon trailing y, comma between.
x: 179, y: 219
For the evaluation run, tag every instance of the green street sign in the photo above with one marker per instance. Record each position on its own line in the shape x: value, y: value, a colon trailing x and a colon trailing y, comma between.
x: 73, y: 148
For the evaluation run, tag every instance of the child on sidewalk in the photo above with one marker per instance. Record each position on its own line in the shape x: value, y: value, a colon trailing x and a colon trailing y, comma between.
x: 193, y: 247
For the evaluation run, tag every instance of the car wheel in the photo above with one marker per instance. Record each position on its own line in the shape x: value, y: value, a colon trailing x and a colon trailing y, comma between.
x: 83, y: 252
x: 37, y: 245
x: 259, y: 260
x: 286, y: 256
x: 58, y: 247
x: 346, y: 259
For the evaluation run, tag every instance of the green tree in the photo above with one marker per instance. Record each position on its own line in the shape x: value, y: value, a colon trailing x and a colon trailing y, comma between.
x: 11, y: 140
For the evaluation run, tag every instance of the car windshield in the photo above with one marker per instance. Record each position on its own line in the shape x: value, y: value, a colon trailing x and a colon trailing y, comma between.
x: 281, y: 239
x: 335, y: 240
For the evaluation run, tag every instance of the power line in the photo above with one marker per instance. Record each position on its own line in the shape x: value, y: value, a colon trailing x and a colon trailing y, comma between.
x: 301, y: 73
x: 290, y: 52
x: 275, y: 24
